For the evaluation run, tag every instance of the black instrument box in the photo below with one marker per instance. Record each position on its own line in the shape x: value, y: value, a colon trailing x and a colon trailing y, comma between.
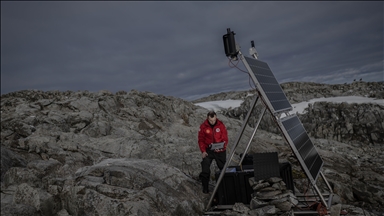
x: 235, y: 188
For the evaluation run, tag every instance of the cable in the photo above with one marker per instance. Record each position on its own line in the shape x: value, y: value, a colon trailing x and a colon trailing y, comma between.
x: 235, y: 66
x: 305, y: 194
x: 320, y: 208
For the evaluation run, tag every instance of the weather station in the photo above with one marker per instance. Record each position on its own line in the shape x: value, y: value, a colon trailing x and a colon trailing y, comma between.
x: 233, y: 182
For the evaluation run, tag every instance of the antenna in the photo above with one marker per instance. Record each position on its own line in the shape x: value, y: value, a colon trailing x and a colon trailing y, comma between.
x: 252, y: 50
x: 230, y: 44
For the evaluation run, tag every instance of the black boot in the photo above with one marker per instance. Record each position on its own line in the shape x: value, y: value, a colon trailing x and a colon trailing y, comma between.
x: 205, y: 186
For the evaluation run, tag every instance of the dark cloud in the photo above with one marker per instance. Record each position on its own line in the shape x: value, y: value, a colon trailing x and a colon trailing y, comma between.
x: 176, y: 48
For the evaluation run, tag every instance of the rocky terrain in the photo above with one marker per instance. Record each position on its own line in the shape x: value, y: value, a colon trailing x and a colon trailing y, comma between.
x: 136, y: 153
x: 304, y: 91
x: 344, y: 122
x: 347, y: 131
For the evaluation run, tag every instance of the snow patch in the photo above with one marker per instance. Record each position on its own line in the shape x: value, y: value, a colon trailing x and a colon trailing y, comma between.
x: 297, y: 107
x: 220, y: 105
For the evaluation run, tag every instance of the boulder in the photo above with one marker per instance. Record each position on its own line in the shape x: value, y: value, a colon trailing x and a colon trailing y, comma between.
x: 132, y: 186
x: 41, y: 200
x: 10, y: 159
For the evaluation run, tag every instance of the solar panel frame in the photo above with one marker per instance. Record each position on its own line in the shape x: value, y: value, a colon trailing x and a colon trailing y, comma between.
x: 302, y: 146
x: 267, y: 85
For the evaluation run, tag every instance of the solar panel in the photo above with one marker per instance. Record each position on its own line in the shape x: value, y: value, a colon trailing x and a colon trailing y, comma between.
x: 302, y: 146
x: 268, y: 86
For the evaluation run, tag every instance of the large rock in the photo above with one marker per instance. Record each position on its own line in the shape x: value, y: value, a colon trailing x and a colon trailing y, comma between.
x: 134, y: 187
x: 10, y: 159
x: 41, y: 200
x: 345, y: 122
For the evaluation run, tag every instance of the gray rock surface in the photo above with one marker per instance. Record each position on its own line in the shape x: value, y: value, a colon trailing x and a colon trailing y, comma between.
x: 349, y: 123
x: 53, y: 144
x: 303, y: 91
x: 134, y: 187
x: 345, y: 122
x: 10, y: 159
x: 136, y: 153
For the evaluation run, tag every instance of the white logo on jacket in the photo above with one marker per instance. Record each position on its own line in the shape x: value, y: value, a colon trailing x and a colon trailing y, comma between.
x: 217, y: 130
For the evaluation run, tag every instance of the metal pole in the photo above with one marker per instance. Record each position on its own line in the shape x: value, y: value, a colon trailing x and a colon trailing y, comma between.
x: 233, y: 150
x: 320, y: 195
x: 253, y: 134
x: 326, y: 182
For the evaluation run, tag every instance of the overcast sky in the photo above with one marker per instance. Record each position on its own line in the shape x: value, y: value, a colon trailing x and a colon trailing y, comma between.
x: 176, y: 48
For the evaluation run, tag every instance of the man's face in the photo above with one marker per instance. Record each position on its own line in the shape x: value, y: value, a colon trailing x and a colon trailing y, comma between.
x: 212, y: 120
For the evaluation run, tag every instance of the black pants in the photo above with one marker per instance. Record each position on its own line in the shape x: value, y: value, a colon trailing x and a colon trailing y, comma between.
x: 219, y: 157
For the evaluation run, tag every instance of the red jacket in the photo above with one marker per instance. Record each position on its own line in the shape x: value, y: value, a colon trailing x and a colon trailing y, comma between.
x: 208, y: 135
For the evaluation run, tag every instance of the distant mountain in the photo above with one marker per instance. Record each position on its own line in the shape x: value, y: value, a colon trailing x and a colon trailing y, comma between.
x: 303, y: 91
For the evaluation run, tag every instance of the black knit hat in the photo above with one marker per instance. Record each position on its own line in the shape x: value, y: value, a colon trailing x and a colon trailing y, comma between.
x: 211, y: 114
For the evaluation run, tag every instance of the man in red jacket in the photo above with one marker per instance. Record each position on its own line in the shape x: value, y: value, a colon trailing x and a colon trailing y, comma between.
x: 212, y: 130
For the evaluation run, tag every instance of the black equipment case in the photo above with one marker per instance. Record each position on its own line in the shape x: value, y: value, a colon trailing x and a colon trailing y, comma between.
x: 234, y: 186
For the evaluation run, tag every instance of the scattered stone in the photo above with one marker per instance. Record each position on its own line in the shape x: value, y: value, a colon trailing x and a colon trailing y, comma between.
x: 273, y: 180
x: 335, y: 210
x: 266, y: 210
x: 63, y: 212
x: 240, y: 207
x: 256, y: 203
x: 284, y: 206
x: 257, y: 187
x: 268, y: 195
